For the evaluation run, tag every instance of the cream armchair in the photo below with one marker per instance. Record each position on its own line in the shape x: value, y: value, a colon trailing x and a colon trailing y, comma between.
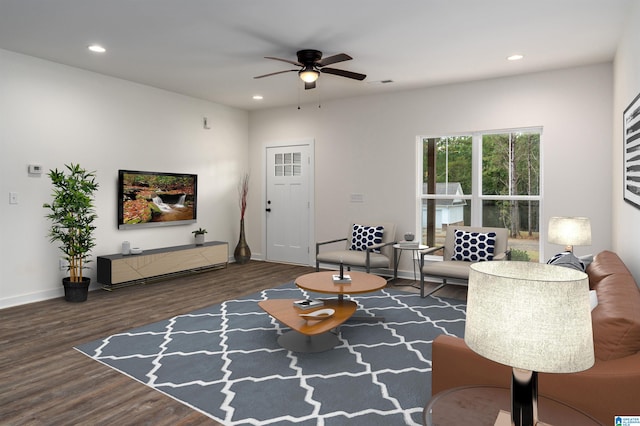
x: 357, y: 251
x: 458, y: 256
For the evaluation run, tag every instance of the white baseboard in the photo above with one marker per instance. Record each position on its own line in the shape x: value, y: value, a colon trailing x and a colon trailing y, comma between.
x: 31, y: 298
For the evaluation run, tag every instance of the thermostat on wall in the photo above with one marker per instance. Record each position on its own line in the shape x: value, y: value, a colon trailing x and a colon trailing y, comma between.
x: 35, y: 169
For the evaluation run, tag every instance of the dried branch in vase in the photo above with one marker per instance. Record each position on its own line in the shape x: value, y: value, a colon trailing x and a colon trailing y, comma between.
x: 243, y: 191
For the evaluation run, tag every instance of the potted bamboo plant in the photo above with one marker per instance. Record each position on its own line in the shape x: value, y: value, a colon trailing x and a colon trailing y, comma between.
x: 72, y: 214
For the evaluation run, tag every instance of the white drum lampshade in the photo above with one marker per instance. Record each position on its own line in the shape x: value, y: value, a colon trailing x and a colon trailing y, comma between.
x: 529, y: 316
x: 569, y: 231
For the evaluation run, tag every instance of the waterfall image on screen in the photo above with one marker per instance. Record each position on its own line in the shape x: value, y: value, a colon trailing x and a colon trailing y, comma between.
x: 155, y: 199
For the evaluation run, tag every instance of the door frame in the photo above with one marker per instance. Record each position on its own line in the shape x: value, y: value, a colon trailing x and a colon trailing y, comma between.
x: 310, y: 142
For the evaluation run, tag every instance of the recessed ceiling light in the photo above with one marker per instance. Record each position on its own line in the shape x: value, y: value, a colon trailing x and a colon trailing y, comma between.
x: 257, y: 97
x: 516, y: 57
x: 96, y: 48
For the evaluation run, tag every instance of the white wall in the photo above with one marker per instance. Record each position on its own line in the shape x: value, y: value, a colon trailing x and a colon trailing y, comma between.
x: 626, y: 217
x: 368, y: 145
x: 53, y: 115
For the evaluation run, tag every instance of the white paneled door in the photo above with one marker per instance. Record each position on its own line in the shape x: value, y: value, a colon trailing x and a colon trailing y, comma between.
x: 288, y: 203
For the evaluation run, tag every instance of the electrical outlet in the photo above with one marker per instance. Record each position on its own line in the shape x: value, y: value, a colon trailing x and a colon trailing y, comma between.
x: 13, y: 198
x: 63, y: 265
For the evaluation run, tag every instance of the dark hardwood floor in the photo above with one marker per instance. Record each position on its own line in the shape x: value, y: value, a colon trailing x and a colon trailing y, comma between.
x: 44, y: 381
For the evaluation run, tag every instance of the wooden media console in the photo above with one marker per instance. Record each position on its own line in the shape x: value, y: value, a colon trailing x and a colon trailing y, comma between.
x: 117, y: 270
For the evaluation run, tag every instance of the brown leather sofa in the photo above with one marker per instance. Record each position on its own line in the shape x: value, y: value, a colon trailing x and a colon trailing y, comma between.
x: 610, y: 388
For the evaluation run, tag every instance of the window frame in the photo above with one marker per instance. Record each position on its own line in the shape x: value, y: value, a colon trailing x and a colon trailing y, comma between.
x: 476, y: 198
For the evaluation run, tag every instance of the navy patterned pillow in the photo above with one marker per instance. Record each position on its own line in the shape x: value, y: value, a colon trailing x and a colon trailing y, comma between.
x: 474, y: 246
x: 364, y: 236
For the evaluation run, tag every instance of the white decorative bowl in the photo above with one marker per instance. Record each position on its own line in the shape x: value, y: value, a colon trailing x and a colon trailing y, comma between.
x: 319, y: 314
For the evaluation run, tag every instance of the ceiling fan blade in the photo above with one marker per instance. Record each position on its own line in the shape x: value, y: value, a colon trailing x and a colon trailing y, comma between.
x: 311, y: 85
x: 343, y: 73
x: 274, y: 73
x: 285, y: 60
x: 340, y: 57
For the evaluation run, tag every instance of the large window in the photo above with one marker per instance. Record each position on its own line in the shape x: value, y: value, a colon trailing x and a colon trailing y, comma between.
x: 482, y: 179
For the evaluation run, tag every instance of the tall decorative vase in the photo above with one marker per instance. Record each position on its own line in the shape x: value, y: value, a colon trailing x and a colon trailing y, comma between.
x: 242, y: 253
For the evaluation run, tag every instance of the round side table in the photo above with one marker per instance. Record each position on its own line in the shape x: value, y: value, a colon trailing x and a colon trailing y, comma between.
x: 397, y: 254
x: 480, y: 405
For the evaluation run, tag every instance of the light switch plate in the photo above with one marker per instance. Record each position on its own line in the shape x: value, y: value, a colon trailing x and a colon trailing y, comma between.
x: 357, y: 198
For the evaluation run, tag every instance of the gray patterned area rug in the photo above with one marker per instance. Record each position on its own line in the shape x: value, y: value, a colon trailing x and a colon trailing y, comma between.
x: 225, y: 362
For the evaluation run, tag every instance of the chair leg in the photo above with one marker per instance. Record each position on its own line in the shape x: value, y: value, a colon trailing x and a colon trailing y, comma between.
x: 317, y: 266
x: 434, y: 290
x: 444, y: 283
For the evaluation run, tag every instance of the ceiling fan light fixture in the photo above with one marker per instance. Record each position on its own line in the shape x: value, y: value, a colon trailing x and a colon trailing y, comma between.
x: 308, y: 75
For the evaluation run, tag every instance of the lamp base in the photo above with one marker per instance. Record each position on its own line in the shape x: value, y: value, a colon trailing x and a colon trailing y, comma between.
x: 504, y: 419
x: 524, y: 397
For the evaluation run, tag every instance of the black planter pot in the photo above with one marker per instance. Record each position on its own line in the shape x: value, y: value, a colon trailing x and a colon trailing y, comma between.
x: 76, y: 291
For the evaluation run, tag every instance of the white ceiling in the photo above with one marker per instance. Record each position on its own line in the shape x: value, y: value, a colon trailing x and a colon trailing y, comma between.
x: 212, y: 49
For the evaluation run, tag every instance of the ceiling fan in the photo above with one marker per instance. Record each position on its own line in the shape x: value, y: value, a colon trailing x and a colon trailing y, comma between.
x: 312, y: 64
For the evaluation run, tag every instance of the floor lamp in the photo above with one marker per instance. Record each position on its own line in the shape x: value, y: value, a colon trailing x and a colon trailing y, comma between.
x: 532, y: 317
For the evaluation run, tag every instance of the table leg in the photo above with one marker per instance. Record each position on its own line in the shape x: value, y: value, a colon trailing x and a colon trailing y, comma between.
x: 360, y: 318
x: 298, y: 342
x: 413, y: 261
x: 396, y: 259
x: 397, y: 254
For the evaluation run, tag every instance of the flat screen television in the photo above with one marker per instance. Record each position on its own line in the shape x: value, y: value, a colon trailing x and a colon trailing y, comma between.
x: 148, y: 199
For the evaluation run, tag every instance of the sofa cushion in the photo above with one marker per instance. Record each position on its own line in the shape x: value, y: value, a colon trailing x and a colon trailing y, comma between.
x: 447, y: 268
x: 365, y: 236
x: 604, y: 264
x: 473, y: 246
x: 354, y: 258
x: 616, y: 319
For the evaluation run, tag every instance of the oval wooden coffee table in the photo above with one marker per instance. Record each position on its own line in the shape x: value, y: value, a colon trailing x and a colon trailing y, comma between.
x: 361, y: 282
x: 322, y: 282
x: 318, y: 335
x: 308, y: 335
